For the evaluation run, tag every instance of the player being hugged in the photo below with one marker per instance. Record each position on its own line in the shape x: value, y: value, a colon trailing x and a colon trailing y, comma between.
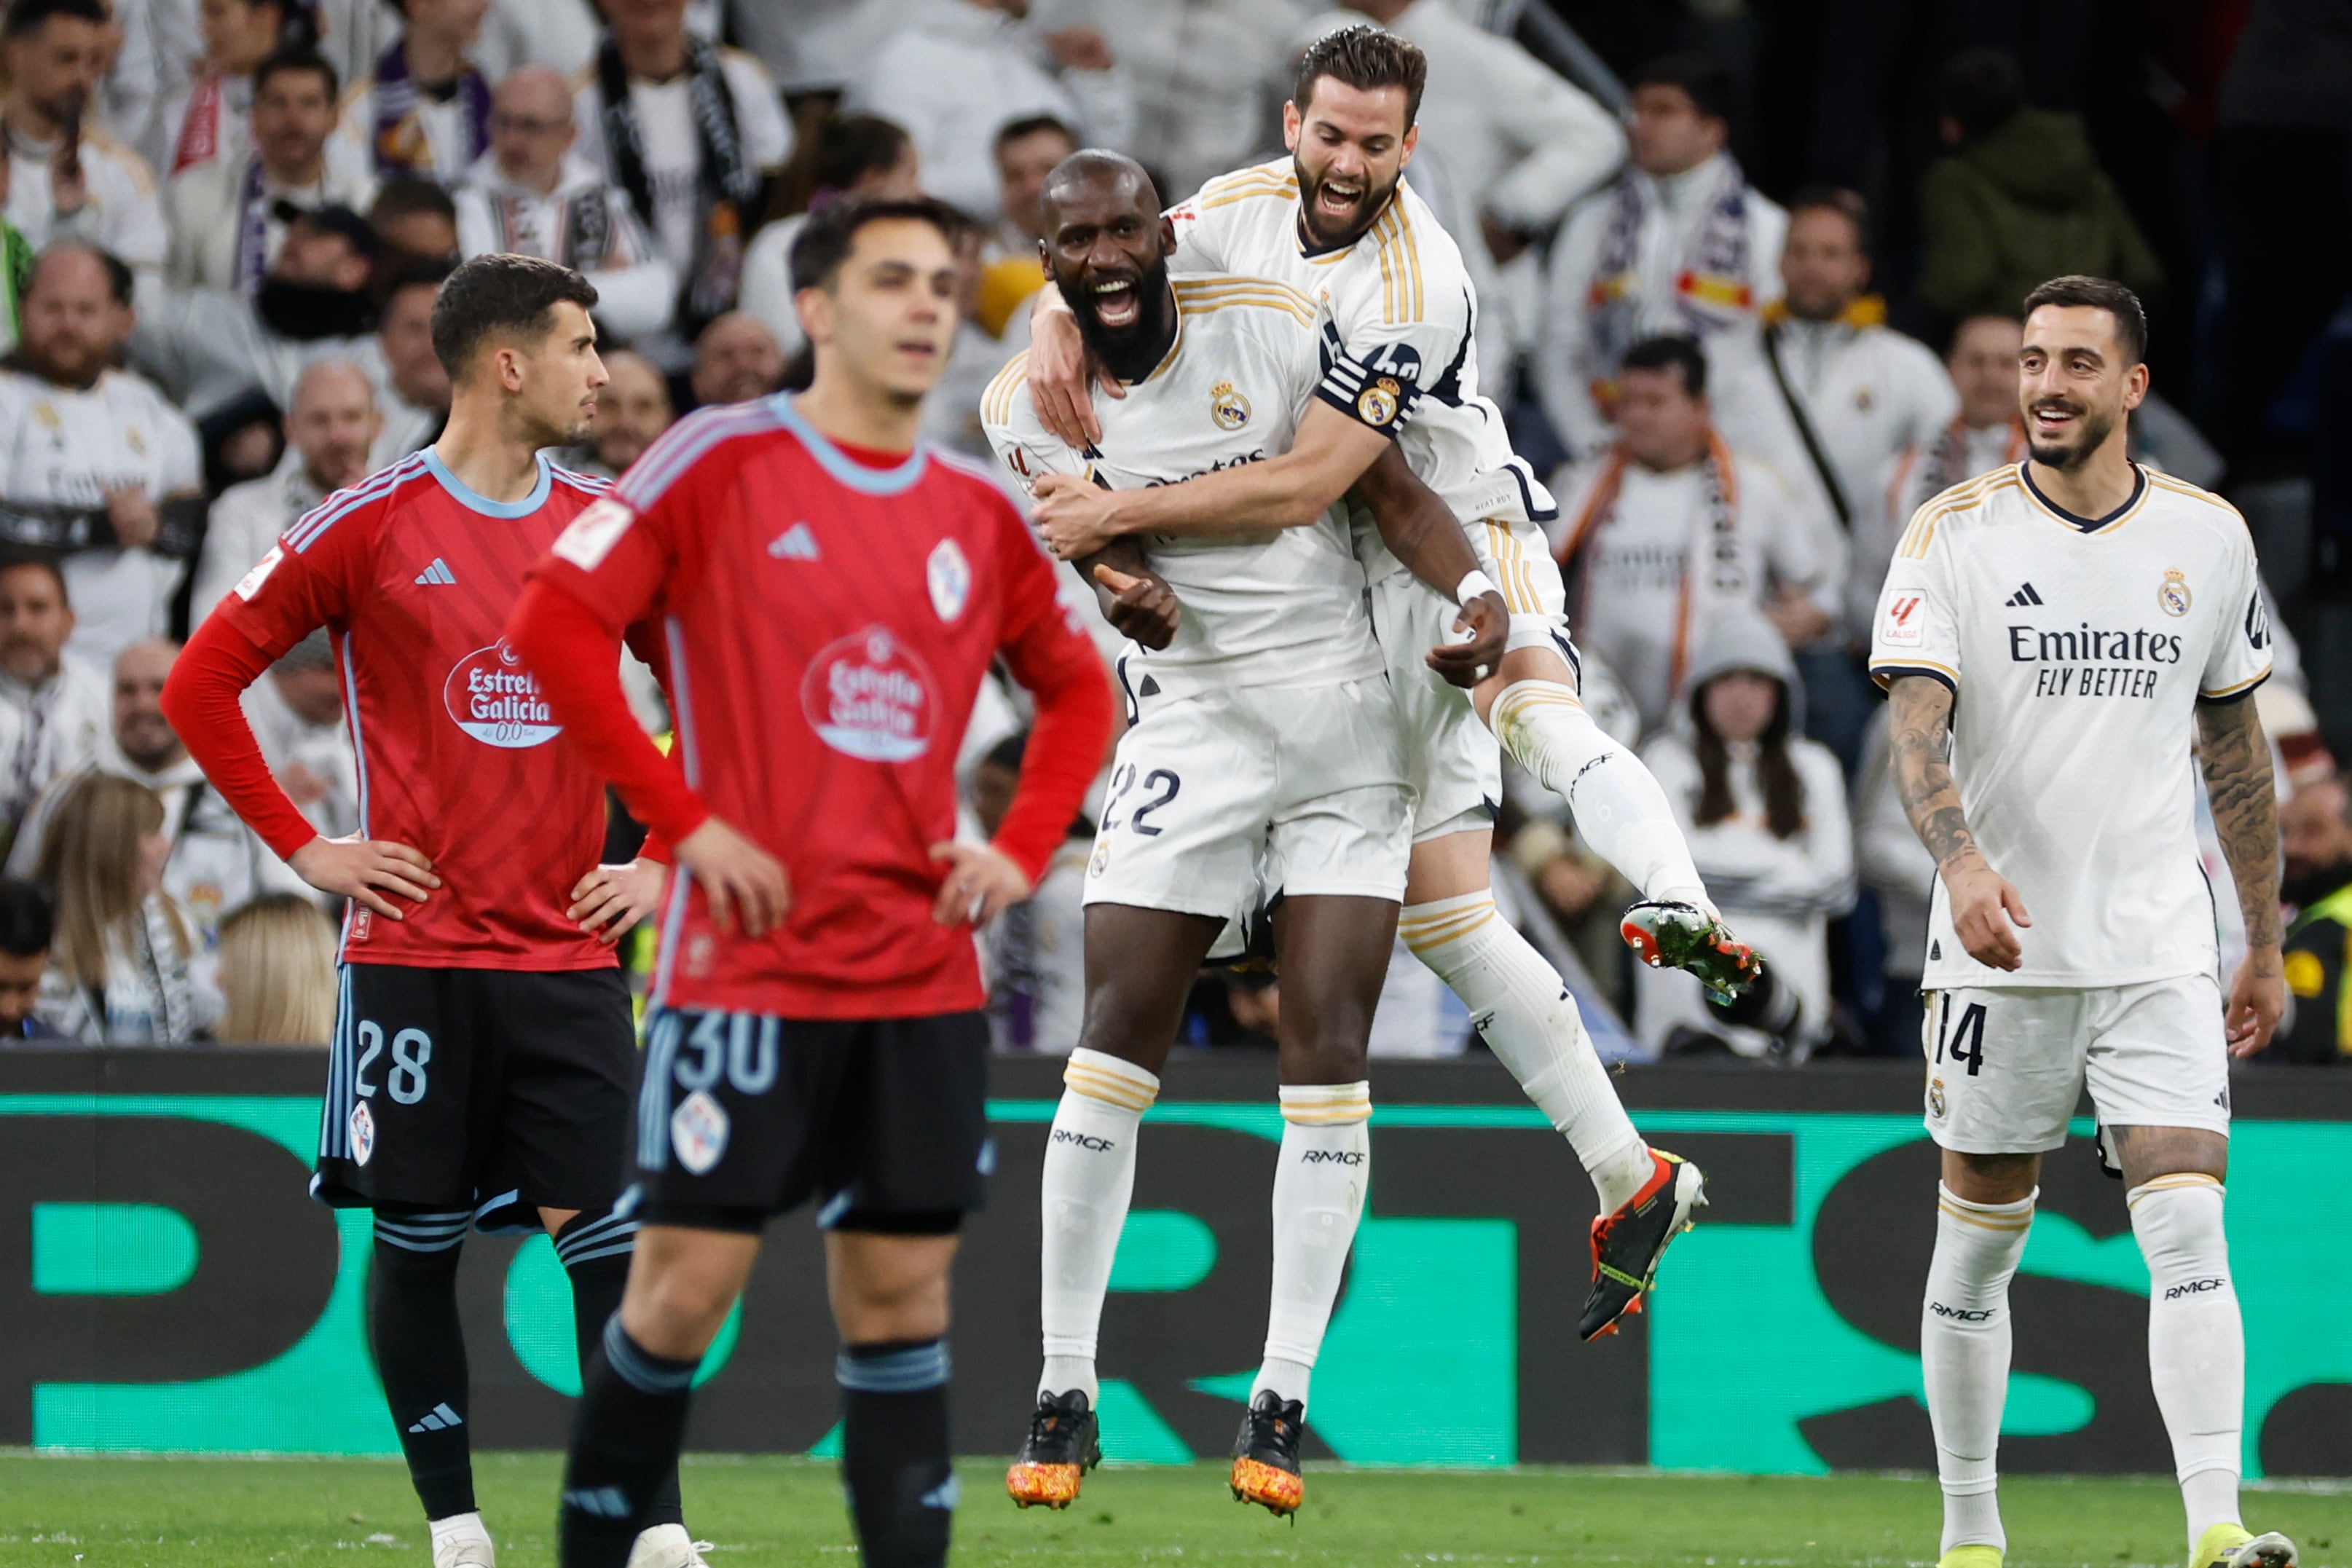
x: 483, y: 1045
x: 832, y: 597
x: 2103, y: 620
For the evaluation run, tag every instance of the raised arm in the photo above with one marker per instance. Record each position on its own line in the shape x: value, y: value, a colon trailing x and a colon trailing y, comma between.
x: 1421, y: 531
x: 1983, y: 905
x: 2236, y: 761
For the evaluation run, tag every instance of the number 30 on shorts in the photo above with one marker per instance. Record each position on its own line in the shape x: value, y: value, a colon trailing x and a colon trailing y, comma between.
x: 1163, y: 785
x: 412, y: 1053
x: 1963, y: 1040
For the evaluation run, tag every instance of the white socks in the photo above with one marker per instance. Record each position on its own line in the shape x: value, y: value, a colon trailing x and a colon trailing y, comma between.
x: 1088, y: 1182
x: 1619, y: 809
x: 1531, y: 1025
x: 1964, y: 1345
x: 1319, y: 1183
x: 2196, y: 1341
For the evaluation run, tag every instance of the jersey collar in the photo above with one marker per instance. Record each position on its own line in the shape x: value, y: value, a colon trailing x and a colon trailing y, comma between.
x: 838, y: 463
x: 473, y: 500
x: 2081, y: 524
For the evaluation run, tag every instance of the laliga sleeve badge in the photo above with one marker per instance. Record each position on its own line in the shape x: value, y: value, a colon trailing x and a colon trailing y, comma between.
x: 1904, y: 625
x: 2172, y: 593
x: 361, y: 1127
x: 950, y: 577
x: 1376, y: 405
x: 698, y: 1131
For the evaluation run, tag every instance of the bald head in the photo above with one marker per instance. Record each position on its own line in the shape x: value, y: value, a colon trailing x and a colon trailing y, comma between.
x: 141, y: 731
x: 1094, y: 174
x: 531, y: 126
x: 77, y: 313
x: 334, y: 423
x: 735, y: 359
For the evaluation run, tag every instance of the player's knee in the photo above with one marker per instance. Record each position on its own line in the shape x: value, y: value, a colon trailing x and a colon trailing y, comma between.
x: 1991, y: 1178
x: 875, y: 1305
x: 674, y: 1311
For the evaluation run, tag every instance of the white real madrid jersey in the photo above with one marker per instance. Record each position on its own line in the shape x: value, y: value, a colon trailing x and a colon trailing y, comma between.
x: 2077, y: 650
x: 1399, y: 326
x: 1284, y: 608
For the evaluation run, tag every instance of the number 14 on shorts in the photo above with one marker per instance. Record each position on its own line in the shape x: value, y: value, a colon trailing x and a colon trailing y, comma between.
x: 1961, y: 1039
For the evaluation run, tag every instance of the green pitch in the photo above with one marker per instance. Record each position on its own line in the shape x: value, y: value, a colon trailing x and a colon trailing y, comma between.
x: 233, y: 1514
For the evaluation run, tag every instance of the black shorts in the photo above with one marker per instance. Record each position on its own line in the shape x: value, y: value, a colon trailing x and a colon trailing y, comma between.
x: 496, y: 1090
x: 884, y: 1122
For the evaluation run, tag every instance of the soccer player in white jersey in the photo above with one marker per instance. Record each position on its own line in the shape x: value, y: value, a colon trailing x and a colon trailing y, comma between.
x: 2100, y: 619
x: 1339, y: 225
x: 1263, y: 743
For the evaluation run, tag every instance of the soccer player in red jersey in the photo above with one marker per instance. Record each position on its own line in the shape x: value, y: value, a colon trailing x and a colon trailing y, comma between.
x: 483, y: 1046
x: 832, y: 597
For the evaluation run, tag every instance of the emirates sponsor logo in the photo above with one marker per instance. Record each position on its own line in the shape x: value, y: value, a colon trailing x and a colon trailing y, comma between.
x: 868, y: 696
x: 494, y: 699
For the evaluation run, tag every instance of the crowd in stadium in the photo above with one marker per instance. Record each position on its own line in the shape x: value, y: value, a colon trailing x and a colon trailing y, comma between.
x: 1729, y: 302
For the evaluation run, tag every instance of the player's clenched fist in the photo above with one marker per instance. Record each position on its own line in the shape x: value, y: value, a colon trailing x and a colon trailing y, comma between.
x: 1143, y: 608
x: 2257, y: 1001
x: 745, y: 883
x: 1983, y: 906
x: 1487, y: 620
x: 611, y: 900
x: 355, y: 868
x: 1073, y: 515
x: 982, y: 882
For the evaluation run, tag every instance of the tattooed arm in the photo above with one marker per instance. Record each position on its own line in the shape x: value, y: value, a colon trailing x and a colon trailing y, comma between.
x: 1983, y: 905
x: 2237, y: 765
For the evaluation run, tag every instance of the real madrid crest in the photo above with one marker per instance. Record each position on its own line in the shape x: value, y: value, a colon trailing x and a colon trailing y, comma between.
x: 1376, y: 405
x: 2172, y: 593
x: 1230, y: 409
x: 1936, y: 1104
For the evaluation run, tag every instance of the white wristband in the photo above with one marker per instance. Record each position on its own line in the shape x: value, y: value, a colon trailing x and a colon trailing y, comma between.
x: 1471, y: 585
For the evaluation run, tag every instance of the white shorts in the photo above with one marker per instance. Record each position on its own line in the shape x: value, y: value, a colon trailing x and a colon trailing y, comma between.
x: 1299, y: 790
x: 1450, y: 757
x: 2006, y: 1067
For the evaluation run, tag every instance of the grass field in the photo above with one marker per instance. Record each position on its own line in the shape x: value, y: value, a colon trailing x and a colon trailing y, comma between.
x: 241, y: 1513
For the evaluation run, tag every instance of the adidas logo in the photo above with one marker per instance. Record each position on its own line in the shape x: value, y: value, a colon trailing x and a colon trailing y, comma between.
x: 598, y: 1502
x: 795, y: 543
x: 2023, y: 596
x: 437, y: 573
x: 440, y: 1418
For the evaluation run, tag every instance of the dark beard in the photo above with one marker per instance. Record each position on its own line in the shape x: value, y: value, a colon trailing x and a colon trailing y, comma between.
x: 2308, y: 888
x: 308, y: 313
x: 1137, y: 353
x: 1376, y: 201
x: 2066, y: 459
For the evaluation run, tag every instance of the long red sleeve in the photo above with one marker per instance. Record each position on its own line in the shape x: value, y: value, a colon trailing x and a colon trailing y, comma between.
x: 1063, y: 675
x: 566, y: 646
x: 200, y: 700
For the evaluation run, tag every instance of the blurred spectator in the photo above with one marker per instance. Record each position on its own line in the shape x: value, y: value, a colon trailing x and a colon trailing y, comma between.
x: 1208, y: 77
x: 67, y: 178
x: 412, y: 390
x: 690, y: 131
x: 1667, y: 531
x: 16, y: 258
x: 858, y: 156
x: 1892, y: 862
x: 633, y: 407
x: 204, y: 117
x: 212, y: 862
x: 210, y: 347
x: 530, y: 195
x: 1765, y: 812
x: 956, y: 72
x: 25, y: 936
x: 1522, y: 143
x: 416, y: 219
x: 1680, y: 244
x: 2019, y: 199
x: 53, y: 707
x: 121, y: 964
x: 735, y: 360
x: 1012, y: 270
x: 2315, y: 832
x: 277, y: 973
x: 329, y: 433
x: 1038, y: 974
x: 228, y: 214
x: 93, y: 461
x: 423, y: 109
x: 296, y: 717
x: 1986, y: 433
x: 1851, y: 396
x: 952, y: 413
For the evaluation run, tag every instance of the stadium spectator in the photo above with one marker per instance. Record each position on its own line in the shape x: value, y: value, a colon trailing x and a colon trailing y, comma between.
x: 423, y: 109
x: 2019, y: 199
x: 1891, y: 861
x: 411, y: 388
x: 1765, y: 812
x: 633, y: 407
x: 206, y: 116
x: 94, y: 461
x: 1680, y: 244
x: 329, y: 433
x: 53, y: 707
x: 956, y: 72
x: 228, y: 214
x: 735, y: 360
x: 415, y: 219
x: 212, y: 862
x: 67, y: 178
x: 1666, y: 530
x: 1026, y: 151
x: 26, y: 932
x: 532, y: 196
x: 858, y: 156
x: 1522, y: 143
x: 1205, y: 75
x: 2315, y: 834
x: 691, y: 131
x: 123, y: 960
x: 1985, y: 434
x: 16, y: 258
x: 952, y: 413
x: 1851, y: 396
x: 277, y: 973
x: 296, y: 717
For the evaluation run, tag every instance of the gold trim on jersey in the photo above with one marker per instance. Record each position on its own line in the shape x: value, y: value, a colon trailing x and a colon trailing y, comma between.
x: 1921, y: 531
x: 1400, y: 259
x: 1247, y: 185
x: 2242, y: 685
x: 1199, y: 295
x: 2183, y: 487
x: 996, y: 403
x: 1518, y: 584
x: 1883, y: 670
